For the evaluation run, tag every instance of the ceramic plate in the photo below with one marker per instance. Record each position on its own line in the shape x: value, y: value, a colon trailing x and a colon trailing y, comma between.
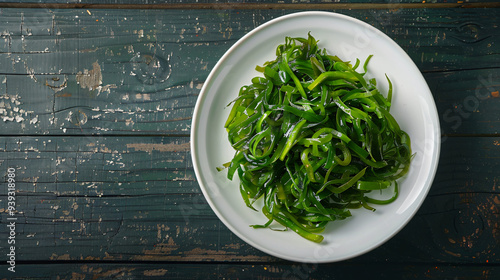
x: 413, y: 107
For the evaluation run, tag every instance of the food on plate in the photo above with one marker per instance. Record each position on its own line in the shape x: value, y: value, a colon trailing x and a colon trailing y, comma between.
x: 313, y: 137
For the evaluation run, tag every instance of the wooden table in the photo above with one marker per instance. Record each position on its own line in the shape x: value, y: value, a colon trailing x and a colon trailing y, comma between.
x: 97, y: 138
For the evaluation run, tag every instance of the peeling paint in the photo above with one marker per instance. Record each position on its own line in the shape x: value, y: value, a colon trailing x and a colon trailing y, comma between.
x: 145, y: 147
x: 143, y: 96
x: 31, y: 72
x: 163, y: 248
x: 155, y: 272
x: 90, y: 79
x: 11, y: 112
x: 56, y: 257
x: 130, y: 49
x: 162, y: 252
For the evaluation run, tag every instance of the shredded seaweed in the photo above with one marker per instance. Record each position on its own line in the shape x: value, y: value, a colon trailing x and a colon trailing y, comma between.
x: 313, y: 137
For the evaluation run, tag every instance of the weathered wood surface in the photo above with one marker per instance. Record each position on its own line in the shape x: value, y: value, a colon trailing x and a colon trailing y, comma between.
x: 231, y: 4
x: 136, y: 199
x: 274, y: 271
x: 100, y: 143
x: 78, y: 72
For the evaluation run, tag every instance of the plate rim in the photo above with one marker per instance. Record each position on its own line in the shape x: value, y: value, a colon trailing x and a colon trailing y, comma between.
x: 204, y: 92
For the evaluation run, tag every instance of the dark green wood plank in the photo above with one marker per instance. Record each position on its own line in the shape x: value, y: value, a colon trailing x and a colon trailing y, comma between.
x: 467, y: 165
x: 42, y: 65
x: 467, y: 101
x: 458, y: 31
x: 135, y: 198
x: 97, y: 166
x: 233, y: 4
x: 125, y: 198
x: 90, y: 199
x: 296, y: 271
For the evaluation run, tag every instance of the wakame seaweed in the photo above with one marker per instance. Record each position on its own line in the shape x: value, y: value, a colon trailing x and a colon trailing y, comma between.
x: 313, y: 137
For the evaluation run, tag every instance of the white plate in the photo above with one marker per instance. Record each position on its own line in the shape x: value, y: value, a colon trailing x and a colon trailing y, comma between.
x: 413, y: 107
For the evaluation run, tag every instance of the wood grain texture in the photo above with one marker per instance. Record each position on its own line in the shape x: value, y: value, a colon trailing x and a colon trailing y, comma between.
x: 467, y: 100
x: 250, y: 5
x: 88, y: 271
x: 95, y: 113
x: 136, y: 199
x: 73, y: 72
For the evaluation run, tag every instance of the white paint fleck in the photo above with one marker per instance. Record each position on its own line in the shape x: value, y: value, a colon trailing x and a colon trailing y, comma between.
x: 130, y: 49
x: 129, y: 122
x: 70, y: 114
x: 30, y: 71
